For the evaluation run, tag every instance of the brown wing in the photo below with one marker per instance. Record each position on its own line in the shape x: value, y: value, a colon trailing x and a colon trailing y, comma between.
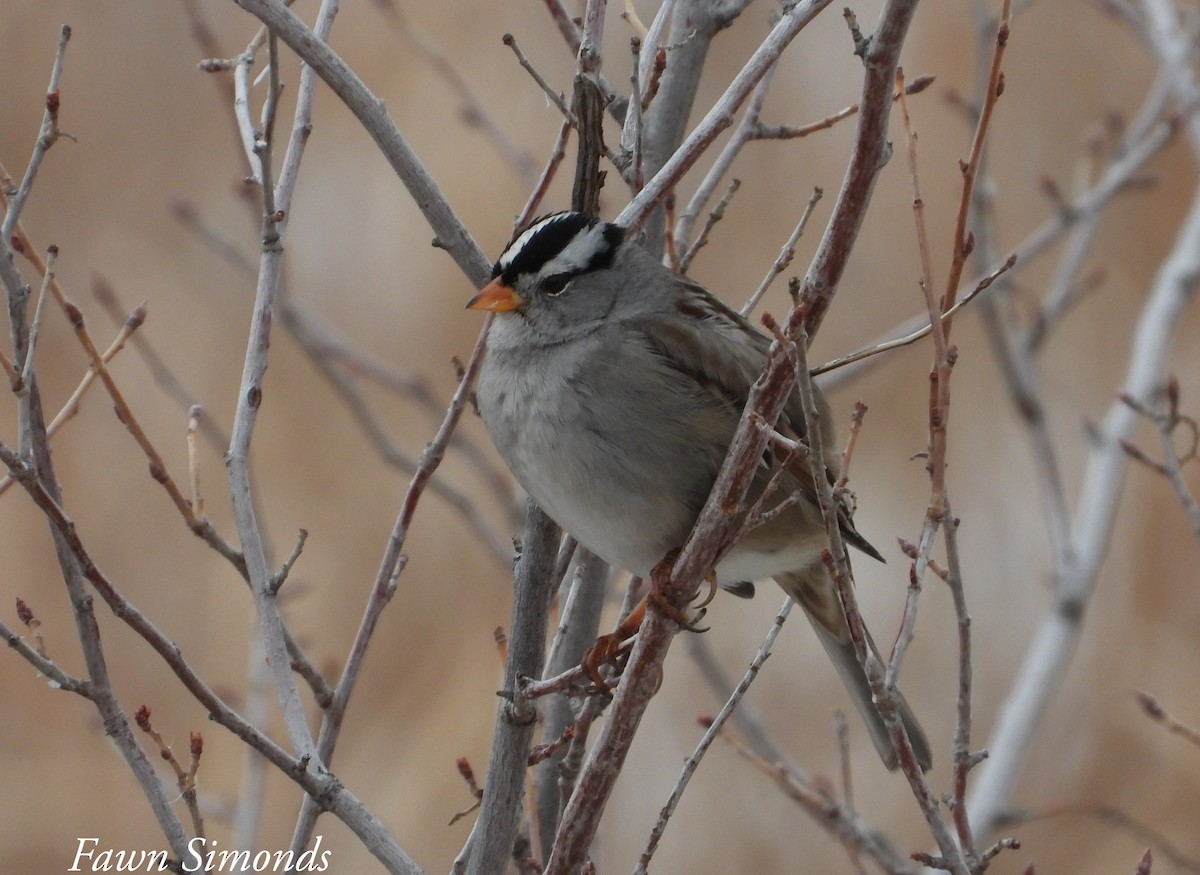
x: 732, y: 358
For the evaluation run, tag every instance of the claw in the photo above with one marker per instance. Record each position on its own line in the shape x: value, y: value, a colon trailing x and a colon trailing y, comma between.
x: 677, y: 616
x: 712, y: 591
x: 693, y: 625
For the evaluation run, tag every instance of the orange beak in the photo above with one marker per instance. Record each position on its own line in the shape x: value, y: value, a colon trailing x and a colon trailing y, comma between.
x: 495, y: 297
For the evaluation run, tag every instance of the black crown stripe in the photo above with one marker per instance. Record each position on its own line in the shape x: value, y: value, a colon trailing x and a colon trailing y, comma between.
x: 555, y: 233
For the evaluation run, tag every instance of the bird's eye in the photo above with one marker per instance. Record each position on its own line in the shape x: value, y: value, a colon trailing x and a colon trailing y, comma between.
x: 554, y: 285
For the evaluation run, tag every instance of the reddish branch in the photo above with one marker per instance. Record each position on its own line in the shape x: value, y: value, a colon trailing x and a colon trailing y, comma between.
x: 679, y: 582
x: 869, y: 154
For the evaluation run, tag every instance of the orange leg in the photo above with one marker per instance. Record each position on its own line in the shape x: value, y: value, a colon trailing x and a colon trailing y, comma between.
x: 605, y: 650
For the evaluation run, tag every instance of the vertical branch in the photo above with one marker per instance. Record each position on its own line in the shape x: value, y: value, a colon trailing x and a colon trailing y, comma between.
x: 836, y: 563
x: 578, y: 626
x: 302, y: 117
x: 720, y: 116
x: 938, y: 515
x: 870, y: 153
x: 535, y: 580
x: 47, y: 136
x: 694, y: 24
x: 1082, y: 544
x: 500, y: 808
x: 33, y: 454
x: 1049, y: 655
x: 963, y: 244
x: 964, y: 759
x: 237, y: 463
x: 371, y: 112
x: 589, y: 114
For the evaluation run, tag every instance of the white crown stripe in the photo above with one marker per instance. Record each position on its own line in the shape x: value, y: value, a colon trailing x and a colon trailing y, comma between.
x: 514, y: 248
x: 578, y: 253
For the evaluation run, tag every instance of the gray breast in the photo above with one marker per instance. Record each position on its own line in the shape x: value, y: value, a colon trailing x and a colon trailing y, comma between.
x: 620, y: 459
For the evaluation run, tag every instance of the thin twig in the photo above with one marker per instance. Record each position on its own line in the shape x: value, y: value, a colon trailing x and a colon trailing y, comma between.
x: 237, y: 460
x: 1157, y: 712
x: 241, y: 110
x: 474, y: 111
x: 715, y: 215
x: 185, y: 778
x: 962, y: 245
x: 786, y: 254
x: 1167, y: 422
x: 784, y: 132
x: 46, y: 667
x: 280, y: 577
x: 741, y: 135
x: 839, y: 821
x: 35, y: 328
x: 556, y: 97
x: 710, y: 733
x: 193, y: 425
x: 720, y: 116
x: 47, y: 137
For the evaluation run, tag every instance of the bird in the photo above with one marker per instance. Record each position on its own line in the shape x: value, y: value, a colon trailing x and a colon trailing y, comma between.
x: 612, y: 386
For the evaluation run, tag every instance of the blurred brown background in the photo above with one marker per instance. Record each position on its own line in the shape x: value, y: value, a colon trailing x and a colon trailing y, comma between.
x: 151, y: 130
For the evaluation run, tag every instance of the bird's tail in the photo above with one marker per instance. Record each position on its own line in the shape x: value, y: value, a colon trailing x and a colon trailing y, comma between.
x: 815, y: 592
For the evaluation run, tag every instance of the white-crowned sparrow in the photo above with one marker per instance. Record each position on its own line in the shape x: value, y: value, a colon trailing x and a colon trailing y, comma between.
x: 612, y: 387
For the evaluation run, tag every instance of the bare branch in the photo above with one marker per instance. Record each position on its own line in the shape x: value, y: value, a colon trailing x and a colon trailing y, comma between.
x: 1158, y: 713
x: 786, y: 254
x: 474, y: 111
x: 492, y: 842
x: 839, y: 821
x: 765, y: 132
x: 237, y: 463
x: 452, y: 235
x: 47, y: 137
x: 46, y: 667
x: 710, y: 733
x: 1091, y: 535
x: 871, y: 151
x: 720, y: 116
